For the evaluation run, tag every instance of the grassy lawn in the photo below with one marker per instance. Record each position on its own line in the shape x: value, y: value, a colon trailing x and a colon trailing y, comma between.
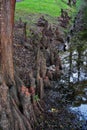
x: 51, y: 7
x: 31, y: 10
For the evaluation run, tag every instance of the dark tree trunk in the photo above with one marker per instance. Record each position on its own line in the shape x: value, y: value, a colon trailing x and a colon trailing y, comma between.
x: 16, y: 108
x: 6, y: 42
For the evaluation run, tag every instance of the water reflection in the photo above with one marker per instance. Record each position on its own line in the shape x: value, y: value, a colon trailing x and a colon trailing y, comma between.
x: 75, y: 76
x: 75, y: 63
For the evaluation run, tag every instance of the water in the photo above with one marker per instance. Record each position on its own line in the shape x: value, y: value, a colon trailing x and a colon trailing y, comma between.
x: 81, y: 111
x: 70, y: 90
x: 74, y: 63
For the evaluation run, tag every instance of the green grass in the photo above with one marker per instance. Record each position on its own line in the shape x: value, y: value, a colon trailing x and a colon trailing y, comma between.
x: 51, y: 7
x: 31, y: 10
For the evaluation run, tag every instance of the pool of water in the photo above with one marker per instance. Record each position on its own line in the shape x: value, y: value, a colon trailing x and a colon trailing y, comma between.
x: 74, y: 63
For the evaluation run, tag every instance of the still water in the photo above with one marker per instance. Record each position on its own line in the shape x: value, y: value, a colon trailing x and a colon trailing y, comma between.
x: 74, y: 77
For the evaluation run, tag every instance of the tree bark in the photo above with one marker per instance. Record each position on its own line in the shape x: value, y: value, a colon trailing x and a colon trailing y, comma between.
x: 6, y: 14
x: 16, y: 108
x: 12, y: 11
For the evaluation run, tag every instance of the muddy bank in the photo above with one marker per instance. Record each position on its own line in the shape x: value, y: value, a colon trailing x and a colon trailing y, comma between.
x: 68, y: 98
x: 62, y: 89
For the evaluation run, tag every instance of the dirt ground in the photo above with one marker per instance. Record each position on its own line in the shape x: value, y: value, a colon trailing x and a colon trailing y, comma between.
x: 57, y: 115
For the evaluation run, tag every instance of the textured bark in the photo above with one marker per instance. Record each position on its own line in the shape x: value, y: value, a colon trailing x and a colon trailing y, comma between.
x: 40, y: 73
x: 6, y: 42
x: 22, y: 121
x: 25, y: 32
x: 46, y: 82
x: 0, y: 33
x: 42, y: 65
x: 12, y: 116
x: 12, y: 11
x: 41, y: 88
x: 16, y: 113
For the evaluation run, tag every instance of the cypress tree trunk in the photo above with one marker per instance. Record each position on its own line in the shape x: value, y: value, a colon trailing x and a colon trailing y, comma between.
x: 7, y: 69
x: 16, y: 108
